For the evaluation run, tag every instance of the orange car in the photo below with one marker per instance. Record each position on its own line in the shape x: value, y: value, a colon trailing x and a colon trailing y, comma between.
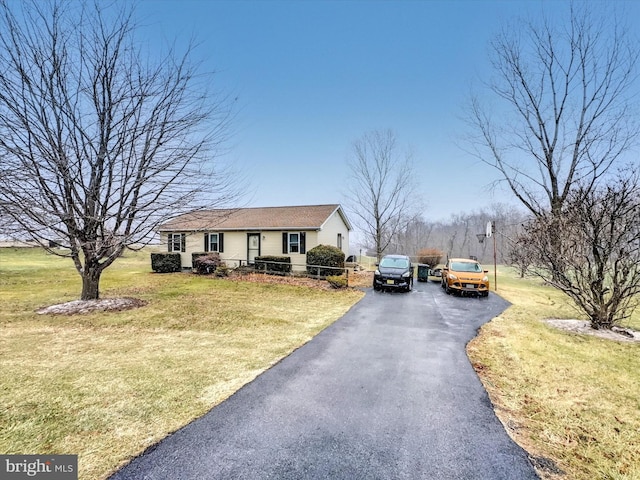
x: 463, y: 275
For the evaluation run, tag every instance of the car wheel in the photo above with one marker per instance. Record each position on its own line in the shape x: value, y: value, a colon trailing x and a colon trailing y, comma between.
x: 410, y: 285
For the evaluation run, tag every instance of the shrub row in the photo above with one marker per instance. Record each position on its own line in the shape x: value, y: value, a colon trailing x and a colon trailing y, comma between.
x: 273, y: 263
x: 323, y: 260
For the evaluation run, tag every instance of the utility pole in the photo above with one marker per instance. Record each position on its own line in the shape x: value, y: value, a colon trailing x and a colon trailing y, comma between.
x: 495, y: 262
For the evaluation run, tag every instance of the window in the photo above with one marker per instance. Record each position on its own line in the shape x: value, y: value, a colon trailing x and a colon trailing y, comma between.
x: 393, y: 262
x: 214, y: 242
x: 176, y: 242
x: 294, y: 243
x: 466, y: 267
x: 339, y: 243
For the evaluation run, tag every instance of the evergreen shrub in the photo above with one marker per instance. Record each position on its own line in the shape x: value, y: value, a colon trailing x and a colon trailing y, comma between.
x: 273, y: 264
x: 328, y: 256
x: 166, y: 262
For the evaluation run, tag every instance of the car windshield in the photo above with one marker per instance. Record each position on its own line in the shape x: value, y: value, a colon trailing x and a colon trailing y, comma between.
x: 466, y: 267
x: 390, y: 262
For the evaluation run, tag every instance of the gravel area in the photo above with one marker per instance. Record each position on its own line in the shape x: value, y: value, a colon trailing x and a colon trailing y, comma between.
x: 584, y: 327
x: 88, y: 306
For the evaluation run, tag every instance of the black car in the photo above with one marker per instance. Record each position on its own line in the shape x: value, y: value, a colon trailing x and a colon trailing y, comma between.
x: 393, y: 272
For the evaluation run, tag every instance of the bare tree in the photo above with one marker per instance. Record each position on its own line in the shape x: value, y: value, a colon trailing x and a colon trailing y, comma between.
x: 562, y: 115
x: 458, y: 236
x: 591, y: 251
x: 382, y: 194
x: 414, y: 236
x: 519, y: 255
x: 98, y: 142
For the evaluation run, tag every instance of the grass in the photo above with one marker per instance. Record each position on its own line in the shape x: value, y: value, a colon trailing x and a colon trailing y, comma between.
x: 107, y: 385
x: 571, y: 400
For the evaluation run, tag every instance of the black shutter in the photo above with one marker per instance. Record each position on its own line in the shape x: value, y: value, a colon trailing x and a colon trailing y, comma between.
x: 303, y: 242
x: 169, y: 241
x: 206, y: 242
x: 221, y: 242
x: 285, y: 242
x: 183, y: 242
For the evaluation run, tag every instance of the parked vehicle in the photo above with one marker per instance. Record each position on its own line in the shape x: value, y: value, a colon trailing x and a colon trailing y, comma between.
x: 393, y: 272
x: 435, y: 273
x: 352, y: 262
x: 463, y: 275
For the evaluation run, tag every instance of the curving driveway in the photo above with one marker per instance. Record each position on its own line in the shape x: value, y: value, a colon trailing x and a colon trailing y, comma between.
x: 386, y: 392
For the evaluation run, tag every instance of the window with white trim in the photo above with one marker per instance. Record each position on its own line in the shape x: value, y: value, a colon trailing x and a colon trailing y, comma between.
x: 214, y: 246
x: 294, y: 243
x: 214, y: 242
x: 176, y: 242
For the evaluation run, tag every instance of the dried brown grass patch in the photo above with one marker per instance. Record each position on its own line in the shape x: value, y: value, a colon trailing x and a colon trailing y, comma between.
x: 107, y: 384
x: 569, y: 399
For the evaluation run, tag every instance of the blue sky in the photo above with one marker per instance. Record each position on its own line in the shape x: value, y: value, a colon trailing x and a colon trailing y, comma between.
x: 312, y: 77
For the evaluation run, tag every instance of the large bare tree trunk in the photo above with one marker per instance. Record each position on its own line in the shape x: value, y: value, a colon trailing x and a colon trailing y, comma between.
x: 91, y: 283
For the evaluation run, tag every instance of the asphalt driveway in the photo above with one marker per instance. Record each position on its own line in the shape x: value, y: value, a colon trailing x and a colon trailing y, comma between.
x: 387, y: 392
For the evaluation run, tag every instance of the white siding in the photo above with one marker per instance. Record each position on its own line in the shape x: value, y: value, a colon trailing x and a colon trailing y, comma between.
x: 194, y: 242
x: 235, y: 243
x: 235, y: 248
x: 270, y: 244
x: 330, y: 230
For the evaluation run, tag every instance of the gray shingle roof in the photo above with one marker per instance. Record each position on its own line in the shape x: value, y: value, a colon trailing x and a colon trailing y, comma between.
x: 306, y: 217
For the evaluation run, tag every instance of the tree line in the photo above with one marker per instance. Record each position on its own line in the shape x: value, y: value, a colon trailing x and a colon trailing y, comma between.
x: 458, y: 236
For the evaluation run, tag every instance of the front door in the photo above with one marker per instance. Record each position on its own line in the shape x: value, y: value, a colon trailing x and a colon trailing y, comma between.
x: 253, y: 247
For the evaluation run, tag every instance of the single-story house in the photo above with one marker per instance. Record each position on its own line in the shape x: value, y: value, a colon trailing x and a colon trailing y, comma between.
x: 242, y: 234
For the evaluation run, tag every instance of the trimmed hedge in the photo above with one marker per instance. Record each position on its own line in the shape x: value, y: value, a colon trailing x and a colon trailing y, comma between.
x: 166, y: 262
x: 273, y: 263
x: 325, y: 256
